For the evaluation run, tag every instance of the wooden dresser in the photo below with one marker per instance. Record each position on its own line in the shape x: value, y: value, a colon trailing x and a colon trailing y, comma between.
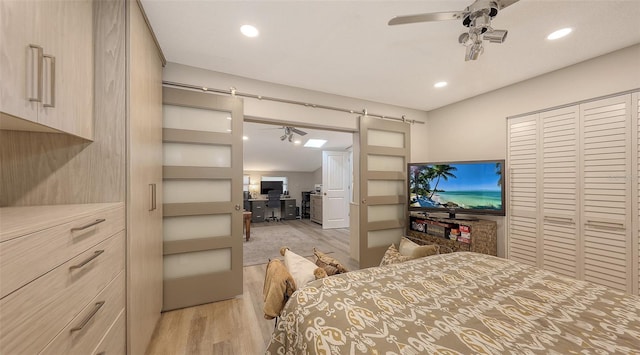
x: 62, y: 288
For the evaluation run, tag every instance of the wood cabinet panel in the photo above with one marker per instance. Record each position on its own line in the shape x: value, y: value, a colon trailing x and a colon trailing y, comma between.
x: 52, y: 169
x: 26, y: 258
x: 144, y: 162
x: 114, y: 342
x: 94, y: 321
x: 316, y: 208
x: 17, y: 32
x: 48, y: 47
x: 54, y: 299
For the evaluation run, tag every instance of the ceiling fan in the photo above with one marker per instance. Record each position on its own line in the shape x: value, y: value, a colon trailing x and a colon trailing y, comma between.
x: 289, y: 131
x: 477, y: 17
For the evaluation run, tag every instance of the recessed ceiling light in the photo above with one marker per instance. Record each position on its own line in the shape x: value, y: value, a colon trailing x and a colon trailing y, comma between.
x: 249, y: 31
x: 229, y: 117
x: 228, y: 129
x: 559, y: 33
x: 315, y: 143
x: 440, y: 84
x: 244, y: 138
x: 297, y: 142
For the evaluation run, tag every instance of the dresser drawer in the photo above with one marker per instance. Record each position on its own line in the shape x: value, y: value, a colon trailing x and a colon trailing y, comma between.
x: 33, y: 315
x: 25, y: 258
x: 86, y: 330
x: 114, y: 343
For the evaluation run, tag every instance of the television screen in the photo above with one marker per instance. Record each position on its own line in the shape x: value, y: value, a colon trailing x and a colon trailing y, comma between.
x: 266, y: 186
x: 475, y: 187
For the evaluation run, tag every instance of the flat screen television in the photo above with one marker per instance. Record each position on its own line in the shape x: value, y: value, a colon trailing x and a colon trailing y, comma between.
x: 470, y: 187
x: 266, y: 186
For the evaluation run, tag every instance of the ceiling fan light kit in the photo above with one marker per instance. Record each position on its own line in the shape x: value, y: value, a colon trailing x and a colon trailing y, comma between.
x: 477, y: 17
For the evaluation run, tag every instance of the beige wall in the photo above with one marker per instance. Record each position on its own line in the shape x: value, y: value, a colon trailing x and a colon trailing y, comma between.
x: 297, y: 182
x: 475, y: 129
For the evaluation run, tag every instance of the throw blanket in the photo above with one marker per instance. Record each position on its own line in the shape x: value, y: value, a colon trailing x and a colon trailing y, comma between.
x: 278, y: 287
x: 459, y: 303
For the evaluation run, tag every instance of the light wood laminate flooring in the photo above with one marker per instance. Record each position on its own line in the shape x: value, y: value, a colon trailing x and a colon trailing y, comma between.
x: 234, y: 326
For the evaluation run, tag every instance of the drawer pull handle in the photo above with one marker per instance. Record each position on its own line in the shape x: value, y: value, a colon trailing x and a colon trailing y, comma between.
x: 86, y: 320
x: 97, y: 221
x: 87, y: 260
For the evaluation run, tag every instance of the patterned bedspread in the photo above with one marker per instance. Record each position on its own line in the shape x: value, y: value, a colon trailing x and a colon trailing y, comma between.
x: 459, y: 303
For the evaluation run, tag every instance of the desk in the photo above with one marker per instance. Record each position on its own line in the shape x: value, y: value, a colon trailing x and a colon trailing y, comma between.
x: 246, y: 215
x: 258, y: 207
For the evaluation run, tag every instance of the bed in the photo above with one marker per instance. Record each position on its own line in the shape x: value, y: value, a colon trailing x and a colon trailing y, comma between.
x: 458, y: 303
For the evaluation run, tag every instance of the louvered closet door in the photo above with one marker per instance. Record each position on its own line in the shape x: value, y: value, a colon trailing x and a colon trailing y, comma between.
x: 635, y: 99
x: 559, y: 200
x: 522, y: 157
x: 606, y: 192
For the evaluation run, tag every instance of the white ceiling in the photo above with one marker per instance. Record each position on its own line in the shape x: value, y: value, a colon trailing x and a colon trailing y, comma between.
x: 264, y: 151
x: 347, y: 48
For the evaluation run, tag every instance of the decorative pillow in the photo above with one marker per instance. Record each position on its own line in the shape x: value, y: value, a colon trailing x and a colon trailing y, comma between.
x: 331, y: 265
x: 301, y: 268
x: 426, y: 250
x: 392, y: 256
x: 411, y: 248
x: 407, y: 246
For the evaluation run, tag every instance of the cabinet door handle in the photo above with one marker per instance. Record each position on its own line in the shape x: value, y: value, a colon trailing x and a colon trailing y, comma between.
x: 87, y: 260
x: 90, y: 224
x: 52, y: 80
x: 86, y: 320
x: 36, y: 73
x: 152, y: 197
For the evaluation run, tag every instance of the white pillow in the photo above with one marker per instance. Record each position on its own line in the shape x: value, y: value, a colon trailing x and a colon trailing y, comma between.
x: 407, y: 247
x: 300, y: 268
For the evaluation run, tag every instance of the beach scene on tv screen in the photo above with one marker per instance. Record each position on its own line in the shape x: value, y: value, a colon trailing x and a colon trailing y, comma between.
x: 461, y: 186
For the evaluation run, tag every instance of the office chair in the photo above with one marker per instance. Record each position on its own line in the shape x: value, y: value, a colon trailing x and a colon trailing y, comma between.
x: 273, y: 202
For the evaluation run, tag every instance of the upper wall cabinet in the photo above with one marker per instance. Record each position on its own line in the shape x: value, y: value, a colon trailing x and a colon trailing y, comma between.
x: 46, y: 51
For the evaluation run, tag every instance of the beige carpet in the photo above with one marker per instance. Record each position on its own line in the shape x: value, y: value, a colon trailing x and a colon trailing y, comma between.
x: 267, y: 239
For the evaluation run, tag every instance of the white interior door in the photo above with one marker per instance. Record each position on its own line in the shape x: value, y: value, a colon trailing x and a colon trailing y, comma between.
x: 384, y: 153
x: 335, y: 189
x: 202, y: 198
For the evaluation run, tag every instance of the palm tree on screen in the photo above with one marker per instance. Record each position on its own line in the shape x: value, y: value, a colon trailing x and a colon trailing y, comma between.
x: 441, y: 172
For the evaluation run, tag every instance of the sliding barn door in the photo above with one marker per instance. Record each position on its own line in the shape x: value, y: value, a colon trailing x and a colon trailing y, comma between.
x: 384, y: 154
x: 202, y: 198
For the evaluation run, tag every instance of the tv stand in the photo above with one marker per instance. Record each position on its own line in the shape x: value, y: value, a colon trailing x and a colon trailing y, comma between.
x: 433, y: 230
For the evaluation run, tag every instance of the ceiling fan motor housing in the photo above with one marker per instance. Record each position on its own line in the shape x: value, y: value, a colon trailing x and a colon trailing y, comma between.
x: 479, y: 14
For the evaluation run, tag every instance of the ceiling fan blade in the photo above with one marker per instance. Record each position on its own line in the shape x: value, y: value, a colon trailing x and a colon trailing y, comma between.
x: 505, y: 3
x: 434, y: 16
x: 297, y: 131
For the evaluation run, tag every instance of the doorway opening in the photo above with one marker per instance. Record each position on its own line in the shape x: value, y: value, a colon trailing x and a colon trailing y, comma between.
x: 277, y: 149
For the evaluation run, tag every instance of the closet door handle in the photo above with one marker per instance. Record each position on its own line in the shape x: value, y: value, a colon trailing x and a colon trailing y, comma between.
x: 91, y: 224
x: 35, y: 65
x: 152, y: 197
x: 52, y: 80
x: 87, y: 260
x: 86, y: 320
x: 554, y: 219
x: 605, y: 224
